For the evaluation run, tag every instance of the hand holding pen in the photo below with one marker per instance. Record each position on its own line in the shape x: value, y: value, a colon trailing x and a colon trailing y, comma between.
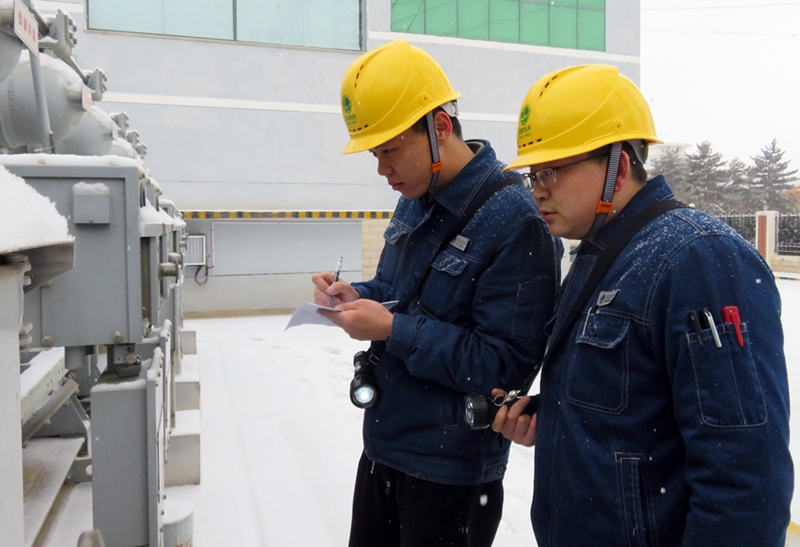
x: 336, y: 277
x: 324, y: 294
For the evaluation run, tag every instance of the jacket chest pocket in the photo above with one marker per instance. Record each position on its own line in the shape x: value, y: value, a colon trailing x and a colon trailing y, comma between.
x: 599, y: 369
x: 442, y: 293
x: 729, y: 392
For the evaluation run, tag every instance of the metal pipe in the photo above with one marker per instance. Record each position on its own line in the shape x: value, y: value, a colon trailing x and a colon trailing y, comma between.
x: 45, y: 136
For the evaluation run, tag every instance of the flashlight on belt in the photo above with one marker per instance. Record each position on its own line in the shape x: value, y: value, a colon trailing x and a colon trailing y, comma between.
x: 479, y: 410
x: 363, y: 387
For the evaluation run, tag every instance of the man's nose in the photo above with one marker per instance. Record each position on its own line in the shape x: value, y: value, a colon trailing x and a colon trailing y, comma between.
x: 539, y: 193
x: 384, y: 168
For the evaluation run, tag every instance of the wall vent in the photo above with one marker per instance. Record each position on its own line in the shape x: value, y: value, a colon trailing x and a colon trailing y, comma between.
x: 195, y: 251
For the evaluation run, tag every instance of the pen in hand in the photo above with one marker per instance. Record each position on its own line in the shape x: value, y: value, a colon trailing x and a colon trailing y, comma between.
x: 336, y: 277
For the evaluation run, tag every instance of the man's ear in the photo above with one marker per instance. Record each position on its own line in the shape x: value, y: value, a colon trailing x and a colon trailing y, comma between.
x: 444, y: 126
x: 623, y: 172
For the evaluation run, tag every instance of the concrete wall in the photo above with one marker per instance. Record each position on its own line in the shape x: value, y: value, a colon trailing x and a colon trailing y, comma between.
x: 253, y: 127
x: 372, y: 245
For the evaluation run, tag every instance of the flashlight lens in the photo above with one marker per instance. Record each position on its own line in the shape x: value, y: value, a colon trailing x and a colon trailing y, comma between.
x: 469, y: 412
x: 364, y: 394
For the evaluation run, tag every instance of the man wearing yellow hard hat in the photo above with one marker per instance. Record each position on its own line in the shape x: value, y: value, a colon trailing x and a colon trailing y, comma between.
x: 664, y: 407
x: 473, y: 267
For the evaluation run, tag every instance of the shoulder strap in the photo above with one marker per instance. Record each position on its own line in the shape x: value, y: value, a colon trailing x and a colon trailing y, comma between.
x: 473, y: 208
x: 604, y: 261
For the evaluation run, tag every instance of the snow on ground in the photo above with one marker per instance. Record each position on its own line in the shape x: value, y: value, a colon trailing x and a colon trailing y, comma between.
x: 281, y: 440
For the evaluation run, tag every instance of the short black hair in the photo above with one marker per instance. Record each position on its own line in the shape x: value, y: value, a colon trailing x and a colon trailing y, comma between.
x: 421, y: 126
x: 638, y: 172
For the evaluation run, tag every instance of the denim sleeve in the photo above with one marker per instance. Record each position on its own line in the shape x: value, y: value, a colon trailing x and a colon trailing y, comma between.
x: 513, y: 299
x: 731, y: 403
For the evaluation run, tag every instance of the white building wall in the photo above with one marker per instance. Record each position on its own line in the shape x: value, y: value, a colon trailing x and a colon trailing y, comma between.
x: 254, y: 127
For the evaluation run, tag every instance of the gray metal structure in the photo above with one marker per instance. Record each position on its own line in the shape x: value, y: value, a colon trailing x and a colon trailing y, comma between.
x: 102, y: 340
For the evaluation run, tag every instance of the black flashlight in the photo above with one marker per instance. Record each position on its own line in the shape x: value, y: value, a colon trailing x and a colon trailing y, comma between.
x: 479, y: 410
x: 363, y: 388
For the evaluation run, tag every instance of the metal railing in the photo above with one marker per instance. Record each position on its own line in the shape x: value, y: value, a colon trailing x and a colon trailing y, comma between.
x: 744, y: 224
x: 787, y: 237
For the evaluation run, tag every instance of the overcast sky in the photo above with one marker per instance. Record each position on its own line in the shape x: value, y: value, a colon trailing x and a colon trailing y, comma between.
x: 725, y: 71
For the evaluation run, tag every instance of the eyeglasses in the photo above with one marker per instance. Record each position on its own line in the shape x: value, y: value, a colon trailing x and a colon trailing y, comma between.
x: 547, y: 177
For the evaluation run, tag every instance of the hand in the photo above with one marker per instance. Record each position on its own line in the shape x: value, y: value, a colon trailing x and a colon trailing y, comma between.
x: 515, y: 426
x: 362, y: 319
x: 324, y: 288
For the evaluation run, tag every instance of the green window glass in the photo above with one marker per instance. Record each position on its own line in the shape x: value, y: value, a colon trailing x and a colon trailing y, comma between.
x: 473, y: 19
x: 441, y: 17
x: 563, y: 27
x: 504, y: 21
x: 314, y: 23
x: 535, y: 23
x: 591, y: 30
x: 334, y: 24
x: 408, y: 16
x: 201, y: 18
x: 559, y: 23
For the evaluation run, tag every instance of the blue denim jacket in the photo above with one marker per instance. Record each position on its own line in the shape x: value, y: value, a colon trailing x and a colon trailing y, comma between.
x: 648, y: 434
x: 477, y: 323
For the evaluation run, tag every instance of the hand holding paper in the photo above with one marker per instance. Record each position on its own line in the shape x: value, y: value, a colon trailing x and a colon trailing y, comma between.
x: 306, y: 314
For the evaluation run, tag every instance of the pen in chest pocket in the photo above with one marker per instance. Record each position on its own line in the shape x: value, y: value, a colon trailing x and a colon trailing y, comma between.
x: 694, y: 319
x: 712, y: 326
x: 730, y: 314
x: 604, y: 299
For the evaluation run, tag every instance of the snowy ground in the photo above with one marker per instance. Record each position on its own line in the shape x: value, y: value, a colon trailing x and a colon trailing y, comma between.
x: 280, y: 439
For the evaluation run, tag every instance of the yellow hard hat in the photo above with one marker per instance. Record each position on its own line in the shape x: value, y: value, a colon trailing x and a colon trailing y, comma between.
x: 386, y: 90
x: 579, y: 109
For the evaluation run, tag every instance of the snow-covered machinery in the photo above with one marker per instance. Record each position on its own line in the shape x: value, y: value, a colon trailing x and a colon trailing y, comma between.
x: 100, y: 345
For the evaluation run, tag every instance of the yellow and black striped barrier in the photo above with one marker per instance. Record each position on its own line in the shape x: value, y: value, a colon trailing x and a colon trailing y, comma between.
x: 787, y: 278
x: 212, y: 215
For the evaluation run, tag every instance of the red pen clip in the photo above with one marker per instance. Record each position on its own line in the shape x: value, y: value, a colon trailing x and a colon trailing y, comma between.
x: 730, y: 314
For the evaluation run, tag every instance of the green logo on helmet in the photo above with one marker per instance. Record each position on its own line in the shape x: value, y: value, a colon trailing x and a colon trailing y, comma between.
x: 347, y: 109
x: 524, y: 114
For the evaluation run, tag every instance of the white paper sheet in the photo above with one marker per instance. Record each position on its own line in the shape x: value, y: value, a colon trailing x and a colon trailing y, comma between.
x: 306, y: 314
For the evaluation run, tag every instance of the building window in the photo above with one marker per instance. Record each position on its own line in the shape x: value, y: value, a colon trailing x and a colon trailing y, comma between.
x: 576, y: 24
x: 333, y: 24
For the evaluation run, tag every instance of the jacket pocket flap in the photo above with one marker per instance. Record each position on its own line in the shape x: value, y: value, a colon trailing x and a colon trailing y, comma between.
x: 450, y: 263
x: 603, y: 330
x: 395, y: 231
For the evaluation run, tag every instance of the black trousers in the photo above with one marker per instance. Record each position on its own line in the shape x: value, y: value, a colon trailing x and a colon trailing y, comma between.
x: 393, y: 509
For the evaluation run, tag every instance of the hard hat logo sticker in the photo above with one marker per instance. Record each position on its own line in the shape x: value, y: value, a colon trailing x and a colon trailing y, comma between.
x: 524, y: 114
x: 524, y: 118
x: 347, y: 108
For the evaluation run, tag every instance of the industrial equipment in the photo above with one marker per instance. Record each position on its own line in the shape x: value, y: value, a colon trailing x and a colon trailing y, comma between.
x: 96, y: 314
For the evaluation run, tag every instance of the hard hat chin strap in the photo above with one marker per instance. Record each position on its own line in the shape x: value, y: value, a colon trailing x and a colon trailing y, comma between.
x: 436, y: 162
x: 605, y: 204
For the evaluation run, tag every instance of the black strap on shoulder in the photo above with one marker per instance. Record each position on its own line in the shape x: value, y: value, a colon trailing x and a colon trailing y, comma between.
x: 604, y: 261
x: 473, y: 208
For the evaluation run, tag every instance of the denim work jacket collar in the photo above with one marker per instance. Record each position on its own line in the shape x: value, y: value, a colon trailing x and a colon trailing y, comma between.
x: 456, y: 196
x: 655, y: 190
